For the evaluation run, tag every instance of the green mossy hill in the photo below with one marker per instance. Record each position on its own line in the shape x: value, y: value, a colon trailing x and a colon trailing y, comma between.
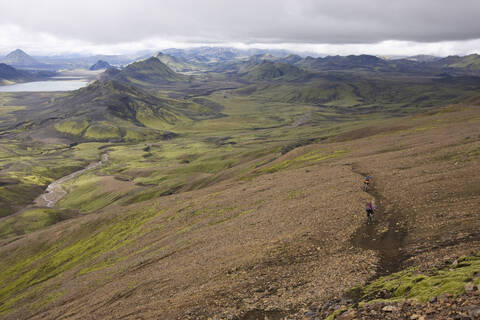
x: 471, y: 61
x: 268, y: 70
x: 368, y: 94
x: 343, y: 62
x: 354, y: 63
x: 467, y: 65
x: 112, y: 110
x: 177, y: 64
x: 148, y: 72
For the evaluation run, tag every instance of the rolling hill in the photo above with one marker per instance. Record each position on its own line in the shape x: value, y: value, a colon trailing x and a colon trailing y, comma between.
x: 343, y: 63
x: 177, y: 64
x: 469, y: 63
x: 10, y: 74
x: 146, y: 73
x: 269, y: 70
x: 114, y: 111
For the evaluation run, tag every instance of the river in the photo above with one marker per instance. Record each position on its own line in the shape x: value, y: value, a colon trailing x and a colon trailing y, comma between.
x: 55, y: 191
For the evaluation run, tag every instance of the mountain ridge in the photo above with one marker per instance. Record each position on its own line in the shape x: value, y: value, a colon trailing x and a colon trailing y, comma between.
x: 18, y: 58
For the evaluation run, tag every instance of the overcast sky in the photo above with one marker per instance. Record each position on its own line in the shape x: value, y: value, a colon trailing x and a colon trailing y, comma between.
x: 383, y: 27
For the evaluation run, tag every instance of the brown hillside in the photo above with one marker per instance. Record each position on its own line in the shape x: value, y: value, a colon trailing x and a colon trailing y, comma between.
x: 270, y: 243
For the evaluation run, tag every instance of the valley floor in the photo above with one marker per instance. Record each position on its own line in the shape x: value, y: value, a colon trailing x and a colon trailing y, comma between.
x: 271, y: 240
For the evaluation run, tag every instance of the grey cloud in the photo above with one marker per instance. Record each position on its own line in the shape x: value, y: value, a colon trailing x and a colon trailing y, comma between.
x: 260, y: 21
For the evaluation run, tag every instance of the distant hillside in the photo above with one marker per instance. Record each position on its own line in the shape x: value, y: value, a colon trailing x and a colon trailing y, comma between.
x: 343, y: 62
x: 258, y: 58
x: 423, y: 58
x: 291, y: 59
x: 204, y: 54
x: 148, y: 72
x: 19, y: 58
x: 100, y: 64
x: 177, y: 64
x: 114, y: 111
x: 9, y: 73
x: 268, y: 70
x: 471, y: 62
x: 421, y: 64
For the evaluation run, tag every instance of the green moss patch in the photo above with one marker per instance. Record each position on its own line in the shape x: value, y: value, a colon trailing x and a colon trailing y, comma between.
x: 23, y: 277
x: 72, y: 127
x: 102, y: 132
x: 32, y: 220
x: 410, y: 284
x: 305, y: 159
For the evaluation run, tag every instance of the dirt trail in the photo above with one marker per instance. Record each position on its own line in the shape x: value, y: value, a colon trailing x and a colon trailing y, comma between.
x: 55, y: 191
x: 389, y: 241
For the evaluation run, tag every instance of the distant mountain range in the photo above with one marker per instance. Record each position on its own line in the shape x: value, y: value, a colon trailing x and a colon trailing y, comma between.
x: 224, y: 59
x: 100, y: 64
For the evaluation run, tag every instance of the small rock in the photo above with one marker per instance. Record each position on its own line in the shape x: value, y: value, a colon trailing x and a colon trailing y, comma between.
x: 473, y: 311
x: 415, y: 317
x: 348, y: 315
x: 433, y: 299
x: 389, y: 308
x: 469, y: 287
x: 310, y: 314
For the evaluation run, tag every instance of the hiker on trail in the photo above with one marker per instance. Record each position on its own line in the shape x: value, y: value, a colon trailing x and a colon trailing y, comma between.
x: 366, y: 182
x: 370, y: 209
x: 368, y: 179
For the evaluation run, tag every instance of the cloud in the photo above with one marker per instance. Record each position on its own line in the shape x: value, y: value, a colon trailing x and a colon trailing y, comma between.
x: 319, y: 24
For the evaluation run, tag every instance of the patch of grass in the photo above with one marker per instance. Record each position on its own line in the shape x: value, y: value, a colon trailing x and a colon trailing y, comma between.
x: 72, y: 127
x: 85, y: 194
x: 421, y: 287
x: 23, y: 277
x: 5, y: 110
x: 102, y: 131
x: 32, y: 220
x: 305, y: 159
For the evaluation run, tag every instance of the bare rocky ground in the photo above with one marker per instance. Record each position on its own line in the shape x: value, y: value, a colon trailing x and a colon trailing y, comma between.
x: 284, y: 244
x: 446, y: 306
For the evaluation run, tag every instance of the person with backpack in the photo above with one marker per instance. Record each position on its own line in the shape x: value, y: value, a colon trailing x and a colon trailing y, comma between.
x: 367, y: 182
x: 370, y: 209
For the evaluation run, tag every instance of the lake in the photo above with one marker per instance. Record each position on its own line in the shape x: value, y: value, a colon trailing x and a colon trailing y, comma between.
x: 49, y: 85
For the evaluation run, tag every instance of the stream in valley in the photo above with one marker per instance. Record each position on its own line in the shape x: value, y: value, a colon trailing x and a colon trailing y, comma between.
x: 55, y: 191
